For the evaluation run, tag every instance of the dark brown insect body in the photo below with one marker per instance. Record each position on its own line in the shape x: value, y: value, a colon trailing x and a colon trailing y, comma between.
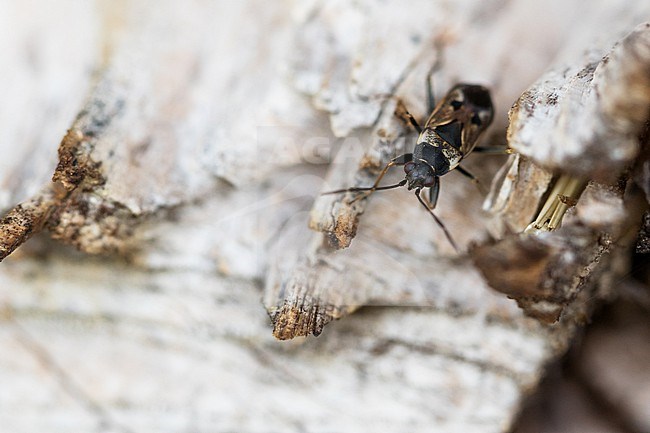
x: 450, y: 134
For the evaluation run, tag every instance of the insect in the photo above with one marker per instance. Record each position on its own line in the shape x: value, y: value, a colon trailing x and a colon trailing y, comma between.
x: 449, y: 135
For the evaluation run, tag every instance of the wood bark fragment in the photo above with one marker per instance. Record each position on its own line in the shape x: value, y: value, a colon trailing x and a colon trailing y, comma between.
x: 604, y: 144
x: 27, y: 218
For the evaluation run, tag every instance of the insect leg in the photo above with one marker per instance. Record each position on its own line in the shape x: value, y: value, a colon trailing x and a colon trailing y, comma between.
x: 440, y: 224
x: 473, y: 178
x: 431, y: 101
x: 493, y: 150
x: 403, y: 113
x: 434, y: 191
x: 403, y: 159
x: 399, y: 160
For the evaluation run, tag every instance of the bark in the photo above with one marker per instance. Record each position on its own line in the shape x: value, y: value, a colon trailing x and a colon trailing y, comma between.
x: 190, y: 171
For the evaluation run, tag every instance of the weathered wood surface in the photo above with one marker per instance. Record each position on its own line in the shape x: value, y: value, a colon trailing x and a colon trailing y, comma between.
x: 191, y: 164
x: 303, y: 302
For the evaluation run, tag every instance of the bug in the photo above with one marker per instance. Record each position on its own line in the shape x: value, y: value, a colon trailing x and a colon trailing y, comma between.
x: 449, y: 135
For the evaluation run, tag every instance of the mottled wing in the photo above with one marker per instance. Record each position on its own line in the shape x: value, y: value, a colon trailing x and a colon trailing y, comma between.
x: 462, y: 116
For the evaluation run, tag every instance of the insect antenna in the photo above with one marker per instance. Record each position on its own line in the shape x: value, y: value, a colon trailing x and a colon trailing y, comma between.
x: 442, y: 226
x: 370, y: 188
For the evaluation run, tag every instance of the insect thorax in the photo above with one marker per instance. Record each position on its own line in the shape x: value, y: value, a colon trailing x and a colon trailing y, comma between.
x: 439, y: 154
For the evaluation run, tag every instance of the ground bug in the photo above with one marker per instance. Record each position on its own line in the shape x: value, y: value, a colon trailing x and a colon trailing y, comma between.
x: 449, y: 135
